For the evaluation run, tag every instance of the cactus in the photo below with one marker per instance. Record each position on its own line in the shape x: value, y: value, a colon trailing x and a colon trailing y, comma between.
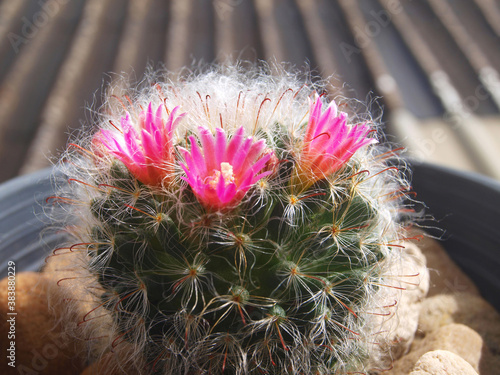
x: 233, y: 223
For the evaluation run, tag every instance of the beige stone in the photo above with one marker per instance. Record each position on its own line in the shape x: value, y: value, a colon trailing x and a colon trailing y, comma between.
x: 470, y: 310
x: 456, y: 338
x: 41, y: 346
x: 442, y: 362
x: 445, y: 276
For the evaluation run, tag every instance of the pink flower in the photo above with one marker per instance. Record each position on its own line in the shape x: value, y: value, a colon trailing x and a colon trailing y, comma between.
x: 328, y: 144
x: 146, y: 149
x: 222, y: 171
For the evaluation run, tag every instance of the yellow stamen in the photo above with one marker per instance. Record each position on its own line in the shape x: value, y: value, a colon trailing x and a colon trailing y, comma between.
x: 226, y: 170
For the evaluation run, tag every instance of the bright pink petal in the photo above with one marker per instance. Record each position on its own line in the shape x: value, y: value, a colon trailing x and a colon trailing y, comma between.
x: 234, y: 145
x: 149, y: 145
x: 329, y: 143
x: 146, y: 147
x: 220, y: 146
x: 208, y: 144
x: 241, y: 153
x: 198, y: 161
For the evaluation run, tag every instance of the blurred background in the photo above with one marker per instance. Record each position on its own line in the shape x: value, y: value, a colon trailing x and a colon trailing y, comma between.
x: 432, y: 64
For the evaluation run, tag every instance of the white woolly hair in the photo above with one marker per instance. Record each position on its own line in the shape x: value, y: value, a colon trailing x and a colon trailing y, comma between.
x: 227, y: 97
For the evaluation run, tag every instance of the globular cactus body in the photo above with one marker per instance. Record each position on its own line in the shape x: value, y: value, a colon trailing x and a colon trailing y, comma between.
x: 233, y: 225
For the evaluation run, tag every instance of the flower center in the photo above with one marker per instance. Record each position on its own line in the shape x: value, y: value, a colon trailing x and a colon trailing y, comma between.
x: 226, y: 171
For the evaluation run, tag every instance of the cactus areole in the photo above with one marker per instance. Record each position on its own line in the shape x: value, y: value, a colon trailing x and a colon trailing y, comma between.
x: 234, y: 223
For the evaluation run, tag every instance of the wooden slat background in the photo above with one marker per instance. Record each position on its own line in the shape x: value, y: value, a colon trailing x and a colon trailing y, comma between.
x: 434, y: 63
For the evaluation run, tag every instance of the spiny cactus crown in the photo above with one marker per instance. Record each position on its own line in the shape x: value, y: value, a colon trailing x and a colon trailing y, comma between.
x: 235, y: 223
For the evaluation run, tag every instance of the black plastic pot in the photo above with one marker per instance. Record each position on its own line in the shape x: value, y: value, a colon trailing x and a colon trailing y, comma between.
x: 465, y: 207
x: 466, y: 215
x: 23, y: 221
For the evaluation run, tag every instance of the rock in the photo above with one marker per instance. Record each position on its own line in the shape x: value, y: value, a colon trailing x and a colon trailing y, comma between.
x: 442, y: 362
x: 456, y: 338
x: 471, y: 311
x: 41, y: 345
x: 445, y: 276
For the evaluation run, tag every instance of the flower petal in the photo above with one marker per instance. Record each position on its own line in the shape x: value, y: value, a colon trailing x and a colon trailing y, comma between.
x: 144, y: 147
x: 329, y: 143
x: 222, y: 172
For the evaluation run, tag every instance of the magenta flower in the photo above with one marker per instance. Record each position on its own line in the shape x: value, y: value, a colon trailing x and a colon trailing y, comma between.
x: 328, y: 144
x: 146, y: 149
x: 222, y: 171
